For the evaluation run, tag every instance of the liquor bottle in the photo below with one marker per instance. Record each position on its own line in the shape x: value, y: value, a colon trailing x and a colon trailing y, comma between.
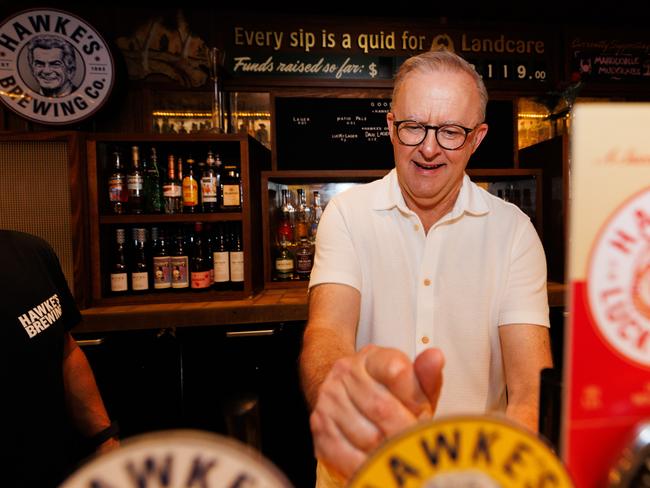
x: 119, y: 266
x: 199, y: 263
x: 179, y: 263
x: 162, y: 261
x: 152, y: 190
x: 527, y: 205
x: 284, y: 265
x: 317, y: 212
x: 303, y: 217
x: 218, y: 169
x: 230, y: 189
x: 140, y: 263
x: 515, y: 194
x: 190, y: 189
x: 209, y: 186
x: 304, y: 259
x: 221, y: 259
x: 118, y: 192
x: 135, y: 184
x: 172, y: 192
x: 236, y: 259
x: 208, y: 243
x: 286, y: 218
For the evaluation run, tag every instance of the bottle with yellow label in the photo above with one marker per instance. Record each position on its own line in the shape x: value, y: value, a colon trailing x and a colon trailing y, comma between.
x: 190, y: 189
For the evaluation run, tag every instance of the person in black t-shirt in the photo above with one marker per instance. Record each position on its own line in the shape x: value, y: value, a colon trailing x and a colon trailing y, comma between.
x: 48, y: 388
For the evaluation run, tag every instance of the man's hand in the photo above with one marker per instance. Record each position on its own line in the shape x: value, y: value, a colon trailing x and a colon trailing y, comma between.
x: 368, y: 397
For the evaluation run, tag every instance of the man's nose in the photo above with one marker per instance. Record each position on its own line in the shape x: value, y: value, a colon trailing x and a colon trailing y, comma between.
x: 429, y: 146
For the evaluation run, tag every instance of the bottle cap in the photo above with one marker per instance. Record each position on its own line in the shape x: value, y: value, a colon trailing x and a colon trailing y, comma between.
x: 141, y: 234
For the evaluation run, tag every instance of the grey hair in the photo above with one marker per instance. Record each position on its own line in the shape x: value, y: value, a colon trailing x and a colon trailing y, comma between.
x: 53, y: 42
x: 436, y: 61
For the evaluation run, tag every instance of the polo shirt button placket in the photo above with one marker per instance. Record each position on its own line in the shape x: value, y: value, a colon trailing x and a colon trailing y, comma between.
x: 423, y: 338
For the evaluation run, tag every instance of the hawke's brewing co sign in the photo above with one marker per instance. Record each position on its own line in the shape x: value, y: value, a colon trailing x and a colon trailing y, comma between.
x: 54, y: 67
x: 485, y: 452
x: 608, y: 360
x: 179, y: 458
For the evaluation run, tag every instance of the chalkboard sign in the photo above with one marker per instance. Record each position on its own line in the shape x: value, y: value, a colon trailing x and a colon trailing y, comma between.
x: 351, y: 133
x: 332, y: 133
x: 602, y: 60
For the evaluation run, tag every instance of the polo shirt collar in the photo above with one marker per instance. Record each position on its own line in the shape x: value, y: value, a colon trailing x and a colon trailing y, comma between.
x: 470, y: 199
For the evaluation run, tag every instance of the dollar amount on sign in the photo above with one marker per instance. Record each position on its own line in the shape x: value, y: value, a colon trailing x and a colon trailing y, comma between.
x: 511, y: 71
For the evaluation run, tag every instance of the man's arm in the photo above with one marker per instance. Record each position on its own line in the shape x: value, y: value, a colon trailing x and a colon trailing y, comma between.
x: 358, y: 399
x: 330, y: 333
x: 82, y: 395
x: 526, y: 351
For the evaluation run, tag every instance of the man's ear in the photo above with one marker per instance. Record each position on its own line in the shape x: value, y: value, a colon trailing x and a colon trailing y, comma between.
x: 479, y: 134
x: 390, y: 118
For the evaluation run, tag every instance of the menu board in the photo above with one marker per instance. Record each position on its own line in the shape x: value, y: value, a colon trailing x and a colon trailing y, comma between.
x: 603, y: 60
x: 332, y: 133
x: 351, y: 133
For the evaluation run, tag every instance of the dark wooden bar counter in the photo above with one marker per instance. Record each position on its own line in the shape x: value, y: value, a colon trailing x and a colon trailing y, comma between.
x: 268, y: 306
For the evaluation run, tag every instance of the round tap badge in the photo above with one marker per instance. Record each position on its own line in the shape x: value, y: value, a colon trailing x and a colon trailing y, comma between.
x: 179, y: 458
x: 54, y: 67
x: 618, y: 281
x: 472, y: 451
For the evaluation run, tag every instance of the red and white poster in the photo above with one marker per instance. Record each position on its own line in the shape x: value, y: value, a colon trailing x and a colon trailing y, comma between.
x: 607, y: 377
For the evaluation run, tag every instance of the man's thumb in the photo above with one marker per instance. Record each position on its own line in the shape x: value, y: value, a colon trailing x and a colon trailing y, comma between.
x: 428, y: 370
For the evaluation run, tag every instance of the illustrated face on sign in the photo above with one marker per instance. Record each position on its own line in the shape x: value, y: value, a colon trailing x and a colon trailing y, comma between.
x: 53, y: 65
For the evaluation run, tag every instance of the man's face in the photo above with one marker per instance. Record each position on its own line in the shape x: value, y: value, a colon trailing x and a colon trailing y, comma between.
x: 428, y: 174
x: 48, y: 68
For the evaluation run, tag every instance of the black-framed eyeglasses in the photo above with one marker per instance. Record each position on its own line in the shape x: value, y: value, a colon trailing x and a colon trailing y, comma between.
x: 449, y: 136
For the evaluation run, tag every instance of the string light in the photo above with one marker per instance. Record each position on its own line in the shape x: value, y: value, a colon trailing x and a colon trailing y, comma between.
x: 532, y: 116
x: 258, y: 115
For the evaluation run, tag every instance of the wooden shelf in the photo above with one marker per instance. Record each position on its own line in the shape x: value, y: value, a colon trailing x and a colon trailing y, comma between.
x: 163, y: 219
x: 267, y: 307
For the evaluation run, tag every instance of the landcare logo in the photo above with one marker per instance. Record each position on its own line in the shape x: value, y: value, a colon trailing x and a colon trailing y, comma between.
x: 481, y: 452
x: 618, y: 281
x: 54, y: 67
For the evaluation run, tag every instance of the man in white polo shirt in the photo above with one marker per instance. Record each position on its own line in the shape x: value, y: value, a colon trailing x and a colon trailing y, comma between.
x: 419, y: 270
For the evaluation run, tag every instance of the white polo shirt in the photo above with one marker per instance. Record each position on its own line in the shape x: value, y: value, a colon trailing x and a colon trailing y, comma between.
x: 482, y: 265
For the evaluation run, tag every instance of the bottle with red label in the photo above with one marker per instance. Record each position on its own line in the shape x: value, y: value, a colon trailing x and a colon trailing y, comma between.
x: 200, y: 264
x: 286, y: 216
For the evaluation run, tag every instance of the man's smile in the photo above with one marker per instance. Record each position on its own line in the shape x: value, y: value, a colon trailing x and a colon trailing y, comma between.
x: 429, y: 166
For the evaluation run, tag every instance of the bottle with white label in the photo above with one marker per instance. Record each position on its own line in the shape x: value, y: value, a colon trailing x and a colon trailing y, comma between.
x: 135, y: 183
x: 284, y: 265
x: 162, y: 261
x: 236, y: 259
x: 209, y: 184
x: 179, y: 263
x: 119, y: 266
x: 140, y: 263
x: 230, y: 189
x: 221, y: 259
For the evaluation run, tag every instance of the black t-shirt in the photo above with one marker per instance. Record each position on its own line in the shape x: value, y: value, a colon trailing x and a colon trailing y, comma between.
x: 36, y: 310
